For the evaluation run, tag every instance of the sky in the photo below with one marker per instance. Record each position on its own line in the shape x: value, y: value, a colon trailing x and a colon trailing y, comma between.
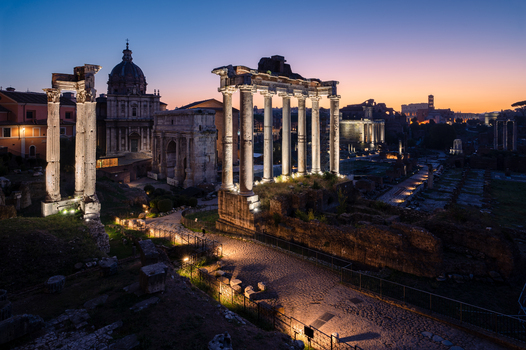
x: 471, y: 55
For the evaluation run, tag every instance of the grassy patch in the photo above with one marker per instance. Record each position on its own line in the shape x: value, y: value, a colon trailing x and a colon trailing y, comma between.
x: 510, y: 207
x: 210, y: 216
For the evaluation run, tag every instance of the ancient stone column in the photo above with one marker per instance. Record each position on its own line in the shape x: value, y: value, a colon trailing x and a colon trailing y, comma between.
x: 334, y: 138
x: 119, y: 141
x: 382, y: 133
x: 148, y: 146
x: 80, y: 145
x: 155, y: 163
x: 126, y: 142
x: 373, y: 130
x: 315, y: 133
x: 286, y: 139
x: 246, y: 162
x: 514, y: 135
x: 365, y: 130
x: 90, y: 110
x: 505, y: 135
x: 53, y: 145
x: 302, y: 136
x: 228, y: 141
x: 268, y: 142
x: 400, y: 147
x: 189, y: 176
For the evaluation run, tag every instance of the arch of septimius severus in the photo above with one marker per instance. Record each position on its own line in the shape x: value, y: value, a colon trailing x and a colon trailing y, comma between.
x: 83, y: 82
x: 238, y: 207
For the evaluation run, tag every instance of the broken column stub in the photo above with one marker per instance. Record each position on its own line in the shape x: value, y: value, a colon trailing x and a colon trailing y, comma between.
x: 18, y: 326
x: 153, y: 277
x: 55, y: 284
x: 108, y: 266
x: 149, y: 254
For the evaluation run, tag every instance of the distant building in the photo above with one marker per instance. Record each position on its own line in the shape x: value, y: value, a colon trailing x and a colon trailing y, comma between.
x: 23, y: 122
x: 411, y: 110
x: 427, y: 111
x: 220, y: 126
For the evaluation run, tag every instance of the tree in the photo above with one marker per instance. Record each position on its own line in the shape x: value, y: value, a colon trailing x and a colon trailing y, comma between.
x: 521, y: 107
x: 440, y: 136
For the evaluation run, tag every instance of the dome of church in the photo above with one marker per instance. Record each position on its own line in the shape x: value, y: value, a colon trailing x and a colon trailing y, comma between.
x: 127, y: 78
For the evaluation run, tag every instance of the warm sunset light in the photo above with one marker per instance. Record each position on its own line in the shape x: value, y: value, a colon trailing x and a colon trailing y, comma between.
x: 404, y: 52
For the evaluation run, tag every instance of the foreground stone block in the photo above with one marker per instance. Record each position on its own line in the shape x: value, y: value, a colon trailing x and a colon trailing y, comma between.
x: 5, y: 310
x: 221, y: 342
x: 93, y: 303
x: 149, y: 254
x: 144, y: 304
x: 18, y: 326
x: 250, y: 293
x: 108, y: 266
x: 224, y: 280
x: 55, y: 284
x: 261, y: 286
x: 234, y: 282
x: 152, y: 278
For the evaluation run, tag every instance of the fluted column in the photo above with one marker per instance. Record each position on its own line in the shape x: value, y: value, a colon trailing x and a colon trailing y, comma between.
x: 163, y: 155
x: 155, y: 155
x: 119, y: 141
x: 80, y: 145
x: 382, y: 136
x: 53, y: 145
x: 315, y: 133
x: 90, y: 110
x: 373, y: 136
x: 246, y: 162
x: 126, y: 142
x: 268, y: 142
x: 302, y: 136
x: 286, y: 139
x: 228, y: 141
x: 334, y: 142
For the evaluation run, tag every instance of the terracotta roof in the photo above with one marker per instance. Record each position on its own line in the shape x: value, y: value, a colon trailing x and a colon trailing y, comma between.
x: 197, y: 103
x: 34, y: 97
x: 3, y: 109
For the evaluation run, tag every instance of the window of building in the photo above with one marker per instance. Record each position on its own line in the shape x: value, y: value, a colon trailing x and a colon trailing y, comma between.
x: 30, y: 114
x: 36, y: 131
x: 62, y: 131
x: 134, y: 111
x: 123, y: 108
x: 7, y: 132
x: 68, y: 115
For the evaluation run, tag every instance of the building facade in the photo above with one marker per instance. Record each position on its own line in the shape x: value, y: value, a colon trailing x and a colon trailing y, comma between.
x: 23, y: 121
x: 184, y: 147
x: 125, y: 113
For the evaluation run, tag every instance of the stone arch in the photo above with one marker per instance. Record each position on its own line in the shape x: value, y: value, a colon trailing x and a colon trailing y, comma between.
x: 32, y: 151
x: 171, y: 158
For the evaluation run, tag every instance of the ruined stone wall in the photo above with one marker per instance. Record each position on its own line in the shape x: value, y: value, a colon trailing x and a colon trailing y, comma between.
x: 401, y: 247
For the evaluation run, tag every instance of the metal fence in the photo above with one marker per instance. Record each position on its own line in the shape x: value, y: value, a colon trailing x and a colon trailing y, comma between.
x: 510, y: 326
x: 262, y: 314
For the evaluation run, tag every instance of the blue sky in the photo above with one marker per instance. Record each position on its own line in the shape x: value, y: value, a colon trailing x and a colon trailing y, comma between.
x: 469, y: 54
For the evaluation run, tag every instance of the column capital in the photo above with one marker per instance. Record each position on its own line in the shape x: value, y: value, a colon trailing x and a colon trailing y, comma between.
x: 315, y: 98
x: 247, y: 88
x: 267, y: 93
x: 300, y: 96
x: 227, y: 90
x: 334, y: 97
x: 53, y: 95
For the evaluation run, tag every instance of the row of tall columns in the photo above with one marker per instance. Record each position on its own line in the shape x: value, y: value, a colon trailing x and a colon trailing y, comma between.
x: 85, y: 146
x: 373, y: 132
x: 53, y: 146
x: 246, y: 168
x: 504, y: 134
x: 114, y: 140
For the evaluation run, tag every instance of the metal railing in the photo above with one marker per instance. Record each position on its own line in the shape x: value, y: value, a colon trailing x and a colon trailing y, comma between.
x: 510, y: 326
x: 262, y: 314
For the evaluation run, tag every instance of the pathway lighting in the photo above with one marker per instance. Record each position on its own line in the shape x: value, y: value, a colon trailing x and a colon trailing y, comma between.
x: 72, y: 211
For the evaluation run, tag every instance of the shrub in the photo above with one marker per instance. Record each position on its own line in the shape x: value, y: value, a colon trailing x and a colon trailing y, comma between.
x: 164, y: 205
x: 301, y: 215
x: 192, y: 202
x: 154, y: 202
x: 277, y: 219
x: 316, y: 185
x: 149, y: 189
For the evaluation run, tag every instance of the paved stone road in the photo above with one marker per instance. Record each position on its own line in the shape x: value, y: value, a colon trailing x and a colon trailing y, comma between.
x: 307, y: 292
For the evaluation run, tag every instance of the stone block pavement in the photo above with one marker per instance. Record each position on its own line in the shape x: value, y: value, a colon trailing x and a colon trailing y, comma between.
x: 314, y: 296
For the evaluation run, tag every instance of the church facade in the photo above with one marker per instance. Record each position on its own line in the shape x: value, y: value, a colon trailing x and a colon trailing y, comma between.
x: 125, y: 114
